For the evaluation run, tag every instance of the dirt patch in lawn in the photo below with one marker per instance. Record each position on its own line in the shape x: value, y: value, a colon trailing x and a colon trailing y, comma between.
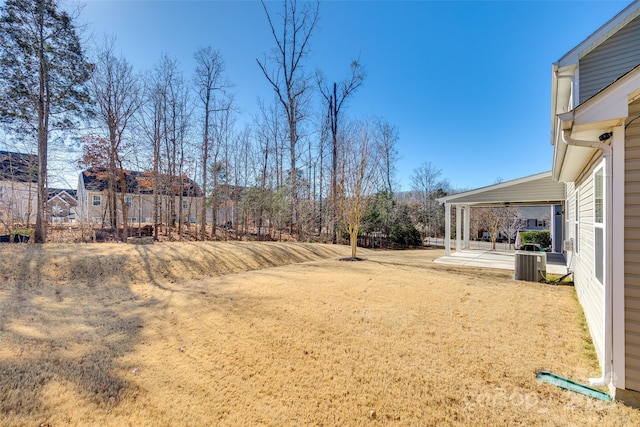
x: 283, y: 334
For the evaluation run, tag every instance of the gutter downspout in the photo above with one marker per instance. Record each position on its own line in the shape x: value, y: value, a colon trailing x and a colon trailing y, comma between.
x: 607, y: 154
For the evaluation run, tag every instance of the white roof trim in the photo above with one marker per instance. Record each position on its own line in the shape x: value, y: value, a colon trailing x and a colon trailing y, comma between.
x: 601, y: 35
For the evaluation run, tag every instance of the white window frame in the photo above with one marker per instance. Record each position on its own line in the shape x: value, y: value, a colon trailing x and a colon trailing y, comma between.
x: 128, y: 201
x: 98, y: 198
x: 185, y: 204
x: 599, y: 219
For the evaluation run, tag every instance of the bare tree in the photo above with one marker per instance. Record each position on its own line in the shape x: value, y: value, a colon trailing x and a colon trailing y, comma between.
x: 497, y: 219
x: 151, y: 118
x: 211, y: 86
x: 335, y: 96
x: 387, y: 137
x: 513, y: 223
x: 116, y: 91
x: 221, y: 132
x: 288, y: 79
x: 426, y: 181
x: 323, y: 142
x: 357, y: 178
x: 174, y: 130
x: 267, y: 141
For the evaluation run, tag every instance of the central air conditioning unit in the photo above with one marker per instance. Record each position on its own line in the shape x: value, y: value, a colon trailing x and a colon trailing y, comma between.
x: 531, y: 266
x: 568, y: 245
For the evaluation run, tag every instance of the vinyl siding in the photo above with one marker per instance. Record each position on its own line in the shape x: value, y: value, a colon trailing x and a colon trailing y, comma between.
x: 612, y: 59
x: 589, y: 290
x: 18, y: 202
x: 632, y: 251
x: 141, y: 207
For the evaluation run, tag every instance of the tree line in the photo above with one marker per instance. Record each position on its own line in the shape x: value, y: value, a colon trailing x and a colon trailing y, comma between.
x: 294, y: 170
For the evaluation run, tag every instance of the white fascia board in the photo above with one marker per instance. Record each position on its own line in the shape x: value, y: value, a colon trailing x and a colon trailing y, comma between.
x: 563, y: 122
x: 559, y: 154
x: 561, y: 95
x: 554, y: 99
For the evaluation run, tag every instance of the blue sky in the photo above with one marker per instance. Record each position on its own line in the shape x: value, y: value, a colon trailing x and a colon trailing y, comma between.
x: 466, y: 83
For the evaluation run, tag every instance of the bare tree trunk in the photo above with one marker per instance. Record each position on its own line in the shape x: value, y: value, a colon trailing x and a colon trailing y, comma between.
x: 125, y: 222
x: 40, y: 234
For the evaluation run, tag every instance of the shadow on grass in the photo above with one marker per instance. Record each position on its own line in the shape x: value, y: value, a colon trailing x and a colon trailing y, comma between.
x: 352, y: 259
x: 62, y: 340
x: 66, y: 339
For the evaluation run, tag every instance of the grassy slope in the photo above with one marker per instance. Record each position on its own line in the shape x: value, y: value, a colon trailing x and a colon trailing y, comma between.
x: 160, y: 263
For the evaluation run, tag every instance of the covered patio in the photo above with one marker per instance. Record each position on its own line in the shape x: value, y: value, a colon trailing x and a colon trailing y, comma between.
x: 504, y: 260
x: 534, y: 190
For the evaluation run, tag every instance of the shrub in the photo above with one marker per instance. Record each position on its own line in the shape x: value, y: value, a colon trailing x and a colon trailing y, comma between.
x: 402, y: 232
x: 542, y: 238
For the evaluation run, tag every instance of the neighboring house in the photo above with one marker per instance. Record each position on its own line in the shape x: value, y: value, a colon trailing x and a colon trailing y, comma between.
x: 61, y: 205
x: 530, y: 218
x: 139, y: 198
x: 535, y: 218
x: 18, y: 188
x: 595, y: 107
x: 227, y: 197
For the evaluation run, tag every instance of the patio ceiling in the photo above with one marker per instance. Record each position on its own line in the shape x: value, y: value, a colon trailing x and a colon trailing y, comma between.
x: 539, y: 189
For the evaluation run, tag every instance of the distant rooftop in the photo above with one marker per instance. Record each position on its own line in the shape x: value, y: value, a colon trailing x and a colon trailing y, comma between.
x: 18, y: 167
x: 97, y: 179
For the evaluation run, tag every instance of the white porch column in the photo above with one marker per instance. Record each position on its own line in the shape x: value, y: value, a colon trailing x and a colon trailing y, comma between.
x: 458, y: 228
x: 467, y: 225
x: 447, y: 228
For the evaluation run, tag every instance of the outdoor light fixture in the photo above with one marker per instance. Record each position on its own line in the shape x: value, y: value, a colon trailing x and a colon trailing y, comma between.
x: 605, y: 136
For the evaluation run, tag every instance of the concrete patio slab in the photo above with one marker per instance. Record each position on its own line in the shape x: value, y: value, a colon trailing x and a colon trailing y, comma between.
x: 504, y: 260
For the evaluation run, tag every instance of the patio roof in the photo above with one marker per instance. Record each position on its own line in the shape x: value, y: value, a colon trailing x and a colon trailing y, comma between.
x: 539, y: 189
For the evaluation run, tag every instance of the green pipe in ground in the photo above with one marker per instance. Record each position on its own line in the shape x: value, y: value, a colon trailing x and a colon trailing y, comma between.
x: 557, y: 380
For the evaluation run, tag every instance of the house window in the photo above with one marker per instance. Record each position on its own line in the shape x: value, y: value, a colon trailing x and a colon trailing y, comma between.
x: 185, y: 204
x: 128, y: 201
x: 97, y: 200
x: 598, y: 223
x: 540, y: 223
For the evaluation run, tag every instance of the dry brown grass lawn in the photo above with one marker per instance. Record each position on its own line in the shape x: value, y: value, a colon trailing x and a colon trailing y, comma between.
x: 282, y: 334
